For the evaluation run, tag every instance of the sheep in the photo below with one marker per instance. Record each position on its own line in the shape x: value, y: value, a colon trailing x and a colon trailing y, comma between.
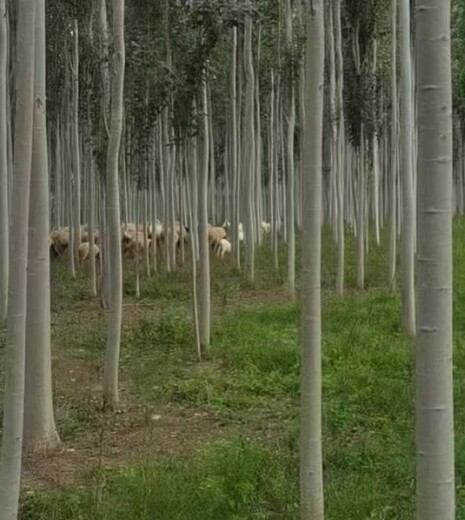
x: 85, y: 235
x: 215, y: 235
x: 227, y: 225
x: 241, y: 232
x: 179, y: 232
x: 84, y: 251
x: 158, y: 230
x: 266, y: 227
x: 60, y: 240
x: 131, y: 228
x: 130, y: 244
x: 128, y: 239
x: 223, y: 248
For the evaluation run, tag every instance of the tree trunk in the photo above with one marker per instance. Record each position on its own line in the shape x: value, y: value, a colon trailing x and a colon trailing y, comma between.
x: 76, y: 151
x: 408, y: 216
x: 39, y: 423
x: 249, y: 149
x: 91, y: 228
x: 137, y: 244
x: 393, y: 176
x: 110, y: 389
x: 339, y: 151
x: 311, y: 465
x: 434, y: 384
x: 234, y: 157
x: 361, y: 202
x: 204, y: 279
x: 4, y: 118
x: 275, y: 180
x: 193, y: 230
x: 10, y: 467
x: 272, y: 168
x: 290, y: 113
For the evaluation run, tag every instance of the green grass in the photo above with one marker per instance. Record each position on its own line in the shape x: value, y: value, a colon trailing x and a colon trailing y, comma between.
x: 251, y: 379
x: 231, y: 479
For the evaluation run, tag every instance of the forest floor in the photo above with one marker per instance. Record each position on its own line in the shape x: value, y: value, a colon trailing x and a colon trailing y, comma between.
x: 219, y: 439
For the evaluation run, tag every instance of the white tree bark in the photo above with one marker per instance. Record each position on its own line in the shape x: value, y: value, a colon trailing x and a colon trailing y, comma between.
x: 339, y: 152
x: 76, y: 151
x: 39, y: 423
x: 274, y: 172
x: 234, y: 155
x: 272, y: 167
x: 110, y: 385
x: 193, y: 231
x: 393, y: 176
x: 338, y: 138
x: 434, y: 388
x: 311, y: 465
x: 10, y: 468
x: 248, y: 147
x: 204, y: 279
x: 91, y: 229
x: 361, y: 203
x: 290, y: 115
x: 375, y: 145
x: 4, y: 118
x: 137, y: 247
x: 408, y: 210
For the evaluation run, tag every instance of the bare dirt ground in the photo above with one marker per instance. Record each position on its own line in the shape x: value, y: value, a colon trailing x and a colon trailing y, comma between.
x: 108, y: 439
x: 93, y: 439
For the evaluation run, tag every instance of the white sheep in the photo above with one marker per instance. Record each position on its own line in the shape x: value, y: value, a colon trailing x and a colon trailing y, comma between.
x: 266, y: 227
x: 224, y: 247
x: 227, y: 225
x: 215, y: 235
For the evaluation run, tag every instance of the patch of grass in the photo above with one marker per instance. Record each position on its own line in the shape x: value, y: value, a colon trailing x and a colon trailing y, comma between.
x: 174, y: 286
x: 252, y: 377
x: 89, y: 343
x: 368, y: 432
x: 231, y: 479
x: 79, y: 418
x: 154, y: 352
x: 254, y: 360
x: 63, y: 288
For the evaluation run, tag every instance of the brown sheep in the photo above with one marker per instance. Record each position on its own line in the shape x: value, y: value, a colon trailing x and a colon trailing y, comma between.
x: 215, y: 235
x: 130, y: 244
x: 84, y: 251
x: 60, y: 240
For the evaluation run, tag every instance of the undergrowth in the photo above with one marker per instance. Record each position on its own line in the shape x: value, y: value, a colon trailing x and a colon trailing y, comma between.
x: 251, y: 379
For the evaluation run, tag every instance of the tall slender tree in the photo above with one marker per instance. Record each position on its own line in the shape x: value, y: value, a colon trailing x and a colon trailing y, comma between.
x: 204, y: 296
x: 76, y: 234
x: 408, y: 213
x: 248, y: 149
x: 290, y: 115
x: 39, y: 423
x: 10, y: 468
x: 394, y: 156
x: 4, y: 117
x: 110, y: 388
x: 234, y: 154
x: 340, y: 148
x: 434, y: 390
x: 311, y: 465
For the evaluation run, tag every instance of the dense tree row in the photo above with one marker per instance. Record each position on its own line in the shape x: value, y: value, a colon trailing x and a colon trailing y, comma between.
x: 264, y: 115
